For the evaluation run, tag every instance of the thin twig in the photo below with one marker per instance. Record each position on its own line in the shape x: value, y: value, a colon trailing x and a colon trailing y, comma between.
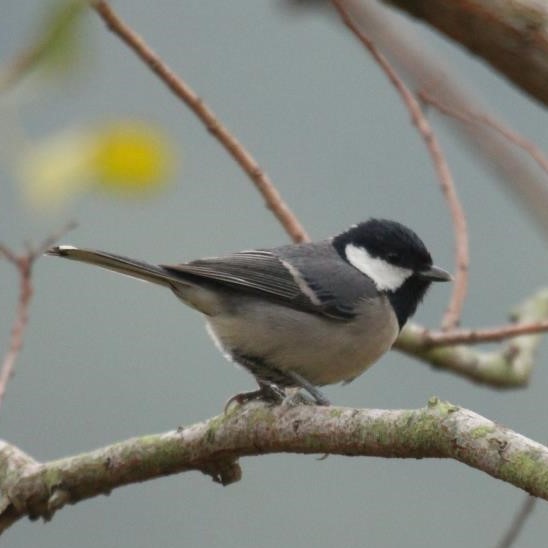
x: 52, y: 31
x: 424, y: 69
x: 182, y: 90
x: 484, y: 335
x: 508, y: 366
x: 18, y: 66
x: 453, y: 312
x: 478, y: 118
x: 23, y: 264
x: 518, y: 522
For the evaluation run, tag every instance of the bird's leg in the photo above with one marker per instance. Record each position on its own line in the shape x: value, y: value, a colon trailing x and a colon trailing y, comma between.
x: 267, y: 391
x: 301, y: 382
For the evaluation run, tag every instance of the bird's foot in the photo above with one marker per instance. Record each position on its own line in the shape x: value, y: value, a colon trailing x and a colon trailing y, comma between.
x: 298, y: 397
x: 301, y: 382
x: 266, y: 392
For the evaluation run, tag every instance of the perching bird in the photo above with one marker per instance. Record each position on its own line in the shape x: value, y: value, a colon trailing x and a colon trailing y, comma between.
x: 302, y: 315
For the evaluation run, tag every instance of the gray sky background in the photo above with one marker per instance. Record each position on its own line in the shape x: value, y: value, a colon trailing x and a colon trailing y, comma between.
x: 107, y: 358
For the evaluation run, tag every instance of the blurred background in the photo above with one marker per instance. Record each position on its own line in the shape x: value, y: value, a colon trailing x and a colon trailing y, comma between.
x: 107, y: 358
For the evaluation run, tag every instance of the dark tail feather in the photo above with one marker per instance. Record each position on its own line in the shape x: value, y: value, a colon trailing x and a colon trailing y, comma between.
x: 116, y: 263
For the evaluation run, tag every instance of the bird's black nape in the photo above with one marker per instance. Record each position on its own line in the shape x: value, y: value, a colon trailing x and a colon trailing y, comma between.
x: 387, y: 240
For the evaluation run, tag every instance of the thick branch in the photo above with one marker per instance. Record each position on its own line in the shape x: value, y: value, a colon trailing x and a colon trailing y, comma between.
x: 440, y: 430
x: 511, y: 36
x: 14, y: 464
x: 508, y: 367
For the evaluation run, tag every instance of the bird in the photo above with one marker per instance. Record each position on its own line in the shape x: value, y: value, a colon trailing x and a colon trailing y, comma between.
x: 299, y: 315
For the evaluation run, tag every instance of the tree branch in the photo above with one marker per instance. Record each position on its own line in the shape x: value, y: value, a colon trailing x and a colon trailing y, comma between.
x: 23, y: 264
x: 425, y: 70
x: 471, y: 117
x: 518, y: 522
x: 440, y: 430
x: 24, y: 267
x: 486, y: 334
x: 184, y: 92
x: 453, y: 313
x: 61, y: 19
x: 509, y: 367
x: 511, y: 36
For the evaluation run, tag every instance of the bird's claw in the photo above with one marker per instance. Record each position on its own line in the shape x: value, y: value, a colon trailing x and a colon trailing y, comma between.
x: 266, y: 392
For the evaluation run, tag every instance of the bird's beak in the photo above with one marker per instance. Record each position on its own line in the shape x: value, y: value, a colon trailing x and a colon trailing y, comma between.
x: 435, y: 274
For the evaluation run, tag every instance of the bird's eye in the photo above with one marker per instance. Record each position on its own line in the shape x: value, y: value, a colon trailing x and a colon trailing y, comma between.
x: 393, y: 257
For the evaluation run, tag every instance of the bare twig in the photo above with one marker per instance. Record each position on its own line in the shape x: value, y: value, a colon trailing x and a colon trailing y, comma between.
x: 484, y: 335
x: 439, y: 430
x: 24, y: 264
x: 510, y: 366
x: 182, y: 90
x: 481, y: 118
x: 51, y: 33
x: 424, y: 69
x: 453, y: 313
x: 517, y: 523
x: 18, y: 66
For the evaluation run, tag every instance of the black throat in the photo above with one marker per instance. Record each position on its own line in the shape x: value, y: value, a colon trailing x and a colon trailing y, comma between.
x: 406, y: 299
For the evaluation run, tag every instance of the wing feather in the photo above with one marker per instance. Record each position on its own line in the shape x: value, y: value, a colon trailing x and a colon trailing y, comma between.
x: 260, y: 271
x: 288, y: 275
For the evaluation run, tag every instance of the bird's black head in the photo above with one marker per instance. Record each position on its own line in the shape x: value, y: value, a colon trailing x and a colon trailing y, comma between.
x: 395, y: 259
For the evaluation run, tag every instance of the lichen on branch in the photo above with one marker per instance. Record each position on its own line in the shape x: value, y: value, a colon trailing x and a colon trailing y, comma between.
x: 439, y: 430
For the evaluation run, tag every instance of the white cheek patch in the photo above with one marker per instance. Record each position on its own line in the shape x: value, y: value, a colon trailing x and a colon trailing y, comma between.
x: 386, y: 277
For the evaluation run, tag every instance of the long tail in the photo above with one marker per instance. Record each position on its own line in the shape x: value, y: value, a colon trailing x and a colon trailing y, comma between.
x: 117, y: 263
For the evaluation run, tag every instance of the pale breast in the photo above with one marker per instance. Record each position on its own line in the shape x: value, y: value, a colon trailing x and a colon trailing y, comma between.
x: 322, y: 350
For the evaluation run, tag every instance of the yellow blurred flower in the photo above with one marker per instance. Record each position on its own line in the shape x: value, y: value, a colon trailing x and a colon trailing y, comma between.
x: 131, y: 157
x: 125, y: 158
